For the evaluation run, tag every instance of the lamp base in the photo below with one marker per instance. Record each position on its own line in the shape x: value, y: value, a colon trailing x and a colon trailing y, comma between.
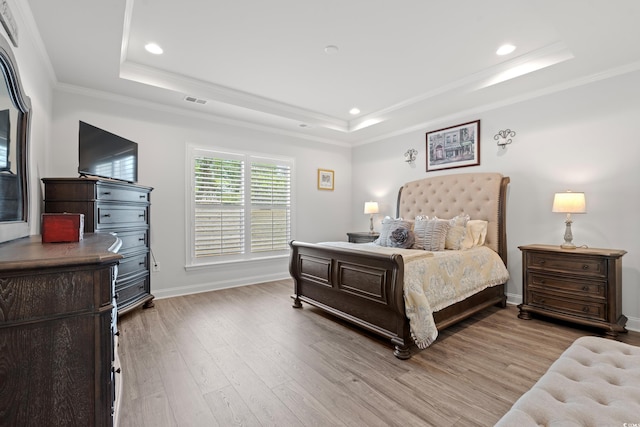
x: 568, y: 235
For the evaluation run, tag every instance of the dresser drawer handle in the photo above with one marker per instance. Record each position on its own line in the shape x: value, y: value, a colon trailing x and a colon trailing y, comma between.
x: 141, y: 216
x: 585, y: 267
x: 141, y: 263
x: 542, y: 261
x: 142, y: 196
x: 141, y: 239
x: 585, y: 288
x: 107, y: 215
x: 106, y: 193
x: 585, y: 309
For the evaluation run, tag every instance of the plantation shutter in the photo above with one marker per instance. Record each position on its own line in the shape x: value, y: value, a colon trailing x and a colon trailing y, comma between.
x: 219, y: 206
x: 270, y: 205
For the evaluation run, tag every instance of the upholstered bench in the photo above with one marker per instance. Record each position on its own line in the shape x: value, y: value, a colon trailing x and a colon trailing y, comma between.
x: 595, y: 382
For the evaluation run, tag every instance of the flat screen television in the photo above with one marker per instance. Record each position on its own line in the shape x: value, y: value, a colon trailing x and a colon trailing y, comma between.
x: 105, y: 155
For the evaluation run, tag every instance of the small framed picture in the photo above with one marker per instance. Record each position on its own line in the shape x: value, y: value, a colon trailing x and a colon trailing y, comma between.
x: 325, y: 179
x: 454, y: 147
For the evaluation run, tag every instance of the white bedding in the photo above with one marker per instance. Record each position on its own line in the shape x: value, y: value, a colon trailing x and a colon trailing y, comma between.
x: 435, y: 280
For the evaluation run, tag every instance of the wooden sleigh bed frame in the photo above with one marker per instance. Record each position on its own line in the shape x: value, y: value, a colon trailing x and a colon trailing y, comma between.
x: 367, y: 289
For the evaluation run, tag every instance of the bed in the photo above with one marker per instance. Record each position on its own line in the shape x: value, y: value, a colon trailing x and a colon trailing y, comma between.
x: 356, y: 283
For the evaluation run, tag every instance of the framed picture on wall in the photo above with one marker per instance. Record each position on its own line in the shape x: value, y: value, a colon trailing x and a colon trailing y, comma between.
x: 325, y: 179
x: 454, y: 147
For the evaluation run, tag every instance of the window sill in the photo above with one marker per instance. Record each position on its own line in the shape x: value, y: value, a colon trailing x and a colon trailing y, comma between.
x: 211, y: 264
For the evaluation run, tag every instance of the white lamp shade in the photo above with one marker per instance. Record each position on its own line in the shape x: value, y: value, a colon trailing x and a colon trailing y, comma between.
x: 569, y: 202
x: 371, y: 207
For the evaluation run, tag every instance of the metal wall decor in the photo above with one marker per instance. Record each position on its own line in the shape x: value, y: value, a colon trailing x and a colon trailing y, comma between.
x: 410, y: 155
x: 504, y: 137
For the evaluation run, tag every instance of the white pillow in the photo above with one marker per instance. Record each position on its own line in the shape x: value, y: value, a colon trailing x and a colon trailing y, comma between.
x: 430, y: 235
x: 475, y: 234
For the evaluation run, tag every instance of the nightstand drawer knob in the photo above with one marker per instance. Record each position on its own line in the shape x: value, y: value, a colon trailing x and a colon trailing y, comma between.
x: 585, y: 267
x: 585, y: 309
x: 585, y: 288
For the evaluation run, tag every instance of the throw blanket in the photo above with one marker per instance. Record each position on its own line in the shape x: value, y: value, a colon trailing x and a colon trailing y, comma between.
x: 435, y: 280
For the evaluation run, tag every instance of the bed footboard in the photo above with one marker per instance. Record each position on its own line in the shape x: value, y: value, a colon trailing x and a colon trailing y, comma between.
x: 362, y: 288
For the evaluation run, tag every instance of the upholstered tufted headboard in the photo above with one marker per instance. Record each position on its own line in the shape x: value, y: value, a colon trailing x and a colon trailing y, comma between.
x: 480, y: 195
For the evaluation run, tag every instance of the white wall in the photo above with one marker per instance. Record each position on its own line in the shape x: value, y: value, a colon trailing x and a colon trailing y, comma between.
x: 583, y: 138
x: 163, y: 136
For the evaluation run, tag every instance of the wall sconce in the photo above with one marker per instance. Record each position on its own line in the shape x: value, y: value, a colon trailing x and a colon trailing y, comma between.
x: 371, y: 208
x: 569, y: 202
x: 411, y: 155
x: 504, y: 137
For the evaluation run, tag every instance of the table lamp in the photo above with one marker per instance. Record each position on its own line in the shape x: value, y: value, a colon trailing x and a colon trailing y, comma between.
x: 569, y: 202
x: 371, y: 208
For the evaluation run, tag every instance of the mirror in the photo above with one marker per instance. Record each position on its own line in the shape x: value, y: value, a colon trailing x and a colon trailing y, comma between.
x: 14, y: 140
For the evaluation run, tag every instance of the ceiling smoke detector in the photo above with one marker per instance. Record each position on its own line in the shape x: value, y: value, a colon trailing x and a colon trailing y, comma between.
x: 195, y: 100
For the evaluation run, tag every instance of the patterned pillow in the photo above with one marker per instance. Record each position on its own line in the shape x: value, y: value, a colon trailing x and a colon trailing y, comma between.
x: 430, y: 235
x: 457, y: 231
x: 401, y: 237
x: 389, y: 225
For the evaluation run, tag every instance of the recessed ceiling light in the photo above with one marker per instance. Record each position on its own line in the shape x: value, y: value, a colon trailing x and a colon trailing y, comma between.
x: 354, y: 111
x: 331, y: 49
x: 153, y: 48
x: 505, y: 49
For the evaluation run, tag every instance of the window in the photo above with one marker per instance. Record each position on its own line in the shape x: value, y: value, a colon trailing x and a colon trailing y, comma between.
x: 240, y: 206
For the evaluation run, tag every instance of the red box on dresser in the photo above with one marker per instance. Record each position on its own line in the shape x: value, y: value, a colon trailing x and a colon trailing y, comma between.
x: 62, y: 227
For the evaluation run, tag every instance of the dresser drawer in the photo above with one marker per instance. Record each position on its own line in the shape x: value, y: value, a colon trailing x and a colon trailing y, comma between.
x: 108, y: 193
x: 132, y: 291
x: 131, y: 266
x: 578, y: 288
x: 587, y: 309
x: 572, y: 264
x: 133, y: 241
x: 121, y: 216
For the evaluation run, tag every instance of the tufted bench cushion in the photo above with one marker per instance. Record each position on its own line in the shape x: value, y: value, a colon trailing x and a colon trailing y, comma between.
x: 595, y: 382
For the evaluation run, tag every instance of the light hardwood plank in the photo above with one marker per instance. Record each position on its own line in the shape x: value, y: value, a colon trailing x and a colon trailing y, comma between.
x: 245, y: 357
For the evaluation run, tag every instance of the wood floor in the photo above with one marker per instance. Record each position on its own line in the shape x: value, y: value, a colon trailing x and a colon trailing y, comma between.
x: 245, y: 357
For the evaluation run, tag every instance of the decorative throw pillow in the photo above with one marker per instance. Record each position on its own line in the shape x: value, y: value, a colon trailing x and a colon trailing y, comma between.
x: 388, y: 226
x: 457, y: 231
x: 475, y: 234
x: 401, y: 237
x: 430, y: 235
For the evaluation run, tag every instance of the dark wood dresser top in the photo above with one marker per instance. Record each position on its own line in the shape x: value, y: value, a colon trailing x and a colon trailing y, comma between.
x: 30, y: 252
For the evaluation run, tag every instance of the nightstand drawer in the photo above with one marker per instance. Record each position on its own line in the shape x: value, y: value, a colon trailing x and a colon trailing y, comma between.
x: 362, y: 237
x: 591, y: 310
x: 569, y: 263
x: 569, y: 285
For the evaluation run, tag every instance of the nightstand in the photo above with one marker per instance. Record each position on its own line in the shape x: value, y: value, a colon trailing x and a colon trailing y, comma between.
x: 579, y: 285
x: 362, y: 236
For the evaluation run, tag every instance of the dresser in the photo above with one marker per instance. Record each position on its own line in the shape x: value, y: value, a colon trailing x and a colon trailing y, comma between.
x: 582, y: 285
x: 57, y: 331
x: 112, y: 207
x: 362, y: 236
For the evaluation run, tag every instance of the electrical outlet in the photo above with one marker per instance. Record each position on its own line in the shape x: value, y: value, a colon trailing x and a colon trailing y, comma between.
x: 156, y: 266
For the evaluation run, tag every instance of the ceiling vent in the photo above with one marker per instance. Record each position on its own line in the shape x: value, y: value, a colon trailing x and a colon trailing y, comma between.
x: 195, y: 100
